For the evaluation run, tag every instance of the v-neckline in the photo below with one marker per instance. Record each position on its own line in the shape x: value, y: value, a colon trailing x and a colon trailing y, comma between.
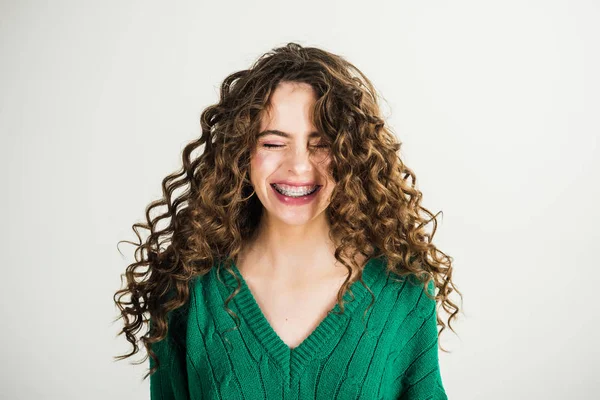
x: 295, y: 358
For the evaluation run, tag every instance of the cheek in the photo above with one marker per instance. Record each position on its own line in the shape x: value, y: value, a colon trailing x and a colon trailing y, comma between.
x: 262, y: 165
x: 325, y: 168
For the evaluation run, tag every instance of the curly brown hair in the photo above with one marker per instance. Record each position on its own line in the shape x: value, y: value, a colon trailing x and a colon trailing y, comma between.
x: 375, y: 206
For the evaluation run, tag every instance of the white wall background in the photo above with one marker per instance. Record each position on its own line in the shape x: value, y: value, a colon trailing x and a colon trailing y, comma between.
x: 496, y: 103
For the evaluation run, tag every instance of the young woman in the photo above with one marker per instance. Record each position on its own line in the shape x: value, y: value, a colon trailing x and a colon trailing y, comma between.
x: 297, y: 256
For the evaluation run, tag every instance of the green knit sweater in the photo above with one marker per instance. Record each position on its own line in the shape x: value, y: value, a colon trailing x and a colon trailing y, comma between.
x: 390, y: 354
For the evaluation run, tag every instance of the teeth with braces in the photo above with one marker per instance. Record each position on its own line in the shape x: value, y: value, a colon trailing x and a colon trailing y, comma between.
x: 296, y: 192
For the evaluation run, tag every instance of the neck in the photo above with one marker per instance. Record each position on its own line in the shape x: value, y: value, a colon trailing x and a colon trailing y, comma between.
x: 292, y: 253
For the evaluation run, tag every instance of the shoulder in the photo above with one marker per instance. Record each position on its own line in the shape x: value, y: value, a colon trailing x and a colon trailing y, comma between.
x: 411, y: 295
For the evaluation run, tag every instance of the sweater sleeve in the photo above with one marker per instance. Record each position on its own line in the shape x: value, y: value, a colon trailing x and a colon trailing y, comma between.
x: 169, y: 382
x: 422, y: 378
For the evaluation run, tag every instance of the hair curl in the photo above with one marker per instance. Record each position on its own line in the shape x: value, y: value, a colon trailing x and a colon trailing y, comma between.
x: 375, y: 205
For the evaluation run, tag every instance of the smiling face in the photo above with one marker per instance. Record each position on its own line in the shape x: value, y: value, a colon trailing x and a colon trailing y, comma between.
x: 289, y: 150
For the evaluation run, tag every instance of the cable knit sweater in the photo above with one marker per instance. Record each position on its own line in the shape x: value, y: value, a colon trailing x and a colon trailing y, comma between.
x: 389, y: 353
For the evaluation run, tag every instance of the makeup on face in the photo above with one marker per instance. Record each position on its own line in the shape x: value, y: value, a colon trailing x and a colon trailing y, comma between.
x: 290, y: 163
x: 291, y: 192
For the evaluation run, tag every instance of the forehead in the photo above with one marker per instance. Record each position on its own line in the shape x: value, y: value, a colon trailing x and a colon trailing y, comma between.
x: 290, y: 109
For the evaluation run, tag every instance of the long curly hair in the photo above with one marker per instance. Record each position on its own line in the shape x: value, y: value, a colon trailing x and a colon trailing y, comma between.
x: 374, y: 210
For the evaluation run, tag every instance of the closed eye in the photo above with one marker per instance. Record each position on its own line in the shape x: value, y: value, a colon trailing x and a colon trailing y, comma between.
x: 268, y: 145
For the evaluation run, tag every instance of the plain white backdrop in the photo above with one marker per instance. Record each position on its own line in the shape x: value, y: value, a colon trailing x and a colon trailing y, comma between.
x: 497, y: 105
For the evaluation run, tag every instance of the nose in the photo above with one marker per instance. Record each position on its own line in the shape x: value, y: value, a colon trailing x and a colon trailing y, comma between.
x: 300, y: 160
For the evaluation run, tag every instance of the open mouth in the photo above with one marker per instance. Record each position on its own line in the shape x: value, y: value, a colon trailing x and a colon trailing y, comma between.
x: 294, y: 194
x: 295, y: 199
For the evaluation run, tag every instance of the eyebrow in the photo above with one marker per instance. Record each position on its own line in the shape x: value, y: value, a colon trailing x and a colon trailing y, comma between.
x: 283, y: 134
